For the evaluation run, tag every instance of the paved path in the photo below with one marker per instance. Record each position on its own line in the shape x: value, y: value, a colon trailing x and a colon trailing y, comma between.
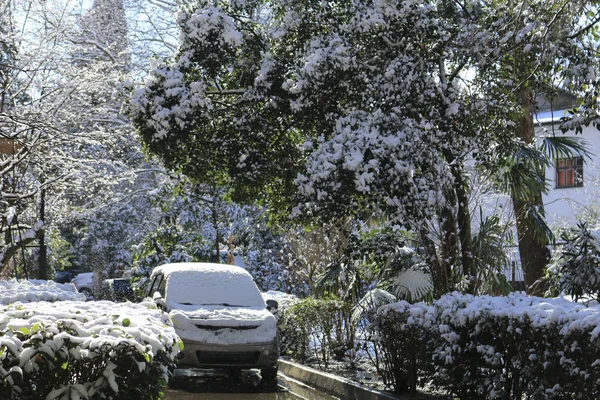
x: 205, y: 385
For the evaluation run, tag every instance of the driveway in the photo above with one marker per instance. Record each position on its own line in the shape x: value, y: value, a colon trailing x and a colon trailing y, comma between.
x: 212, y: 385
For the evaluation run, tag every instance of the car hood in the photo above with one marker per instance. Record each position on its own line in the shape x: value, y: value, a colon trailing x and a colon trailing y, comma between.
x: 213, y: 324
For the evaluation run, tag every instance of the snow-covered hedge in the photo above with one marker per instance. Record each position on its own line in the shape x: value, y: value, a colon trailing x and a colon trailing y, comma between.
x: 480, y: 347
x: 84, y: 350
x: 12, y: 291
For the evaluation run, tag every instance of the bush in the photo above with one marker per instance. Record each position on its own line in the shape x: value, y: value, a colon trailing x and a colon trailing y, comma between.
x: 318, y: 327
x: 77, y: 350
x: 404, y: 336
x: 483, y: 347
x: 12, y: 291
x: 576, y: 266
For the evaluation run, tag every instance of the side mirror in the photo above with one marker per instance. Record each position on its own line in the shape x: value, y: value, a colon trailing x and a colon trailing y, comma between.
x: 272, y: 305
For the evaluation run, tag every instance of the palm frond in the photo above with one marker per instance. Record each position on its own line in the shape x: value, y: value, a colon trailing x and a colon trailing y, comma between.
x: 565, y: 146
x: 371, y: 301
x: 341, y: 278
x: 537, y: 221
x: 522, y: 173
x: 412, y: 284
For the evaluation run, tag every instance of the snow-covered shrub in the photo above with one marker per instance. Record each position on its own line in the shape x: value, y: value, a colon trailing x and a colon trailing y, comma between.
x: 491, y: 346
x: 322, y: 326
x: 72, y: 350
x: 368, y: 343
x: 404, y: 335
x: 576, y: 266
x: 12, y: 291
x: 483, y: 347
x: 289, y: 339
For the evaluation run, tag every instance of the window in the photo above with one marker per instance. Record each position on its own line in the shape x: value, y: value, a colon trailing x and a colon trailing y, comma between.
x: 157, y: 286
x: 569, y: 172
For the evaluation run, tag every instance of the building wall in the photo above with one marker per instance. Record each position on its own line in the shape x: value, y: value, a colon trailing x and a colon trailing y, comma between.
x: 566, y: 206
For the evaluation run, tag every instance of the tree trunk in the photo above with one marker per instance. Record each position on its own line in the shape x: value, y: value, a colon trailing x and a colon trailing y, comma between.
x: 533, y: 249
x: 43, y: 257
x: 449, y: 243
x: 464, y: 227
x: 440, y: 275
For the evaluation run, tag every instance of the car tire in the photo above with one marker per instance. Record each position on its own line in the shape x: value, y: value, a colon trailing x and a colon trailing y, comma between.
x: 269, y: 374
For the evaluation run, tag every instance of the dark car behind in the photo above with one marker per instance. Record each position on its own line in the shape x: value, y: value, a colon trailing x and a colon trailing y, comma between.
x: 118, y: 289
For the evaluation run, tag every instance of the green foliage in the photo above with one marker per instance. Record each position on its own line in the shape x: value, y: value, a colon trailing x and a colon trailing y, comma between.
x: 323, y: 322
x: 575, y: 268
x: 490, y: 257
x: 484, y: 347
x: 60, y: 255
x: 405, y: 348
x: 378, y: 256
x: 234, y: 136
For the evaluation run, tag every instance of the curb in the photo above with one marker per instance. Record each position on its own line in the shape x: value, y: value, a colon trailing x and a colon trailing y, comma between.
x: 340, y: 387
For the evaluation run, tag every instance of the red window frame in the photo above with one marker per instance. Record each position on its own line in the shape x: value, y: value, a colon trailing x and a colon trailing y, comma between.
x: 569, y: 172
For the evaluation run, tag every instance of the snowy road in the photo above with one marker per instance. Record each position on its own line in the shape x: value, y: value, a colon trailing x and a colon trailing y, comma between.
x: 216, y: 386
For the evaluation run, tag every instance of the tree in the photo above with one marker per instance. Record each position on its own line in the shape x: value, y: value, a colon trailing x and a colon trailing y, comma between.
x: 537, y: 48
x: 250, y: 114
x: 364, y: 108
x: 73, y: 141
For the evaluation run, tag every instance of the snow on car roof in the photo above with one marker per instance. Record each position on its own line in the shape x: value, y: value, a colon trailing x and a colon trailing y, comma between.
x: 167, y: 269
x: 210, y: 284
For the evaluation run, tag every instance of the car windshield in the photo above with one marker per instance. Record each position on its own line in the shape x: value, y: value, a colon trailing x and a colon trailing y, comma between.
x: 213, y: 287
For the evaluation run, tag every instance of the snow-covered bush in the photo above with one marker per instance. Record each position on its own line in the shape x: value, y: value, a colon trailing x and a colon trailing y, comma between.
x: 71, y: 350
x: 404, y: 337
x: 576, y: 266
x: 483, y: 347
x: 290, y: 339
x: 12, y: 291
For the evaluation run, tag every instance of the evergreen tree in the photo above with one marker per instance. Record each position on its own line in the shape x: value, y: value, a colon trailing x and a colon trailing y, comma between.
x: 360, y: 108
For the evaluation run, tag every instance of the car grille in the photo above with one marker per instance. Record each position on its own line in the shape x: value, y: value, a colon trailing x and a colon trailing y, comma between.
x: 234, y: 358
x: 235, y: 328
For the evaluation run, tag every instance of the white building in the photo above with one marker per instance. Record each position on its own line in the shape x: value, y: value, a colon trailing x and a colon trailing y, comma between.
x: 574, y: 183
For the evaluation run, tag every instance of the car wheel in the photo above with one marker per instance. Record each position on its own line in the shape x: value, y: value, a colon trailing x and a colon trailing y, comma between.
x: 88, y: 294
x: 269, y: 374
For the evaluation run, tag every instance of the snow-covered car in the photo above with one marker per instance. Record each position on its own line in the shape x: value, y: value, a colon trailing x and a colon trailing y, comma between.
x: 84, y: 283
x: 220, y: 315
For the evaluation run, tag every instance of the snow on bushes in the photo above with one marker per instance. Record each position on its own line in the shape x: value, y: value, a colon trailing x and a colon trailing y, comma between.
x: 31, y: 291
x: 72, y: 350
x: 495, y: 347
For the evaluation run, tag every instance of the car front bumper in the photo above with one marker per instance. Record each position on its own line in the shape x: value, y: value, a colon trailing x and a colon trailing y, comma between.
x: 252, y: 355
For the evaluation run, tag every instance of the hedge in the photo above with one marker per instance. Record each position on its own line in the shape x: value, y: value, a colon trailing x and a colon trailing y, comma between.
x: 85, y: 350
x: 483, y: 347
